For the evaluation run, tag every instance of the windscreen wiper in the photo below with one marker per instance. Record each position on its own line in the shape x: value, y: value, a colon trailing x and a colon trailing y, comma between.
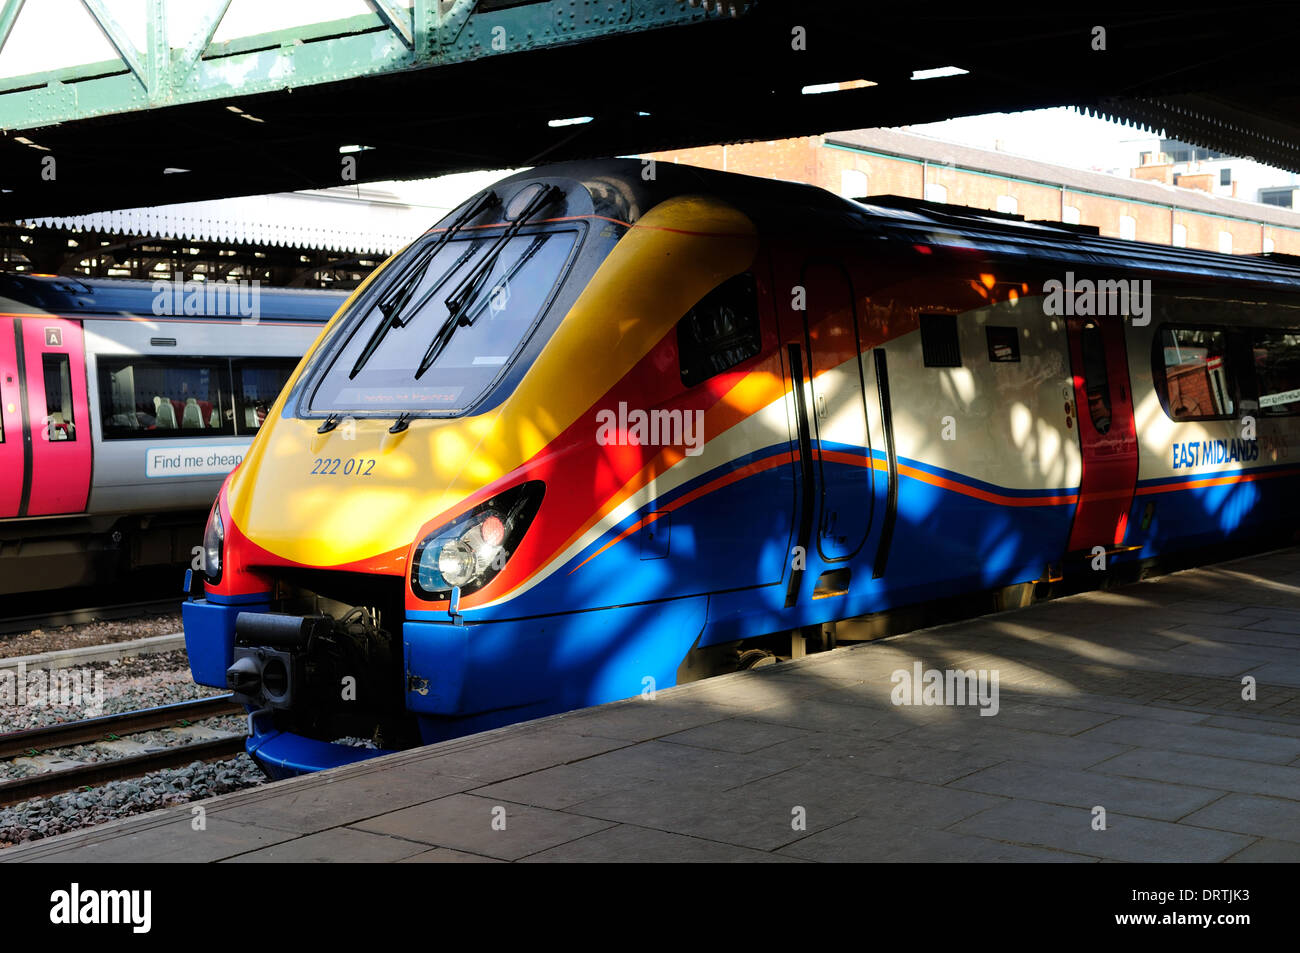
x: 394, y: 302
x: 469, y: 286
x: 465, y: 290
x: 468, y: 317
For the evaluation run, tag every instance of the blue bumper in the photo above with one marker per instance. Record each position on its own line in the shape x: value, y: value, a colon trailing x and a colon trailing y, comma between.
x: 284, y: 755
x: 466, y: 678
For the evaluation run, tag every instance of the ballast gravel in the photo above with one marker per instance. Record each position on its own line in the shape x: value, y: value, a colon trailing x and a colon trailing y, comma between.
x: 110, y: 750
x: 57, y: 639
x: 128, y: 684
x: 60, y: 813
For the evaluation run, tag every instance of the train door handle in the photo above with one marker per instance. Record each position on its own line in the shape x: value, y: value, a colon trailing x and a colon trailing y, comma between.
x: 821, y: 406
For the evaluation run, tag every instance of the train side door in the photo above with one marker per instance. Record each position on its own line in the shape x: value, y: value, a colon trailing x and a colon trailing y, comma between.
x: 58, y: 416
x: 1107, y: 432
x: 838, y: 412
x: 13, y: 452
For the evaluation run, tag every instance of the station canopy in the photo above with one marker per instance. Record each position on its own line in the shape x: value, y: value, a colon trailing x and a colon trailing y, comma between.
x: 142, y: 103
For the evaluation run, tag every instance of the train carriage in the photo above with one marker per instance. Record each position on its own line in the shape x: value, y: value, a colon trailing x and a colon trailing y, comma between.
x: 123, y: 405
x: 608, y: 424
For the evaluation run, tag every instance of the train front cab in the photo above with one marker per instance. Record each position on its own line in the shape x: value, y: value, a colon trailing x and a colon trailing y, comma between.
x: 789, y: 515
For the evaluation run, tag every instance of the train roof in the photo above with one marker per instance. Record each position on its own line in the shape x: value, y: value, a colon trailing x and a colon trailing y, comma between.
x: 621, y: 188
x: 75, y: 295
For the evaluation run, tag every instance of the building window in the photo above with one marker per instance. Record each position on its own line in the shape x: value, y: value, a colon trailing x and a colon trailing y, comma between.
x: 936, y: 193
x: 1127, y: 227
x: 147, y: 398
x: 1180, y: 235
x: 1070, y: 216
x: 1191, y: 373
x: 1225, y: 177
x: 1225, y: 242
x: 1008, y: 205
x: 853, y: 184
x: 59, y: 422
x: 1268, y: 246
x: 1280, y: 197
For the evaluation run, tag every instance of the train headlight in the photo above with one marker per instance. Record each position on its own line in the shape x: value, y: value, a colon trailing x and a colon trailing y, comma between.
x: 470, y: 551
x: 456, y: 563
x: 214, y: 541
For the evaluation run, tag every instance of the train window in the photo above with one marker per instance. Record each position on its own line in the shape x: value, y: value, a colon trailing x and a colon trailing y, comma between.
x: 147, y: 398
x: 939, y: 347
x: 1096, y: 382
x: 720, y: 332
x: 1277, y: 369
x: 257, y: 385
x: 1004, y: 344
x: 434, y: 360
x: 59, y: 422
x: 1192, y: 373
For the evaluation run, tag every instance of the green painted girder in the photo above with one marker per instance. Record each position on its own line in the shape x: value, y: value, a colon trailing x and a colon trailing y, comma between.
x: 392, y: 38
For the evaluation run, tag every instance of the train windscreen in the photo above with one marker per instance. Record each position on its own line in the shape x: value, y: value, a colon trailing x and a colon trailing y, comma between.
x: 444, y: 330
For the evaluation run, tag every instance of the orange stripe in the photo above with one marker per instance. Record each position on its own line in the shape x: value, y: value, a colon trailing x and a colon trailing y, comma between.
x: 748, y: 470
x: 985, y: 495
x: 841, y: 457
x: 1214, y: 481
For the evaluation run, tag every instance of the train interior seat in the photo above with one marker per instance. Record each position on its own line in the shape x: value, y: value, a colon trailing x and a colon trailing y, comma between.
x: 191, y: 416
x: 164, y: 413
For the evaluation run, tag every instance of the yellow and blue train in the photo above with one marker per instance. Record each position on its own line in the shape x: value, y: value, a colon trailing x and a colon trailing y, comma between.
x: 609, y: 422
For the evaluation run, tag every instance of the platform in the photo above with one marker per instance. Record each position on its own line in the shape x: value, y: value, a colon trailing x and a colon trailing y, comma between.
x: 1129, y: 700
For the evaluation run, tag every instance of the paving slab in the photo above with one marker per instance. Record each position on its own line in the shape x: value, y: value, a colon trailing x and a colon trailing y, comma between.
x: 1125, y: 838
x: 1127, y: 699
x: 1269, y: 817
x: 338, y: 844
x: 1086, y: 789
x: 482, y: 825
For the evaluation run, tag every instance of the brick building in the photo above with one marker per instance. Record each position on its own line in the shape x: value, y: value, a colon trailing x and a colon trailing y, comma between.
x: 884, y: 161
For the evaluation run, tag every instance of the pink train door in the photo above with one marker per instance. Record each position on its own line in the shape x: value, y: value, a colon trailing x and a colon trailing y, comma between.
x: 13, y: 452
x: 58, y: 416
x: 1107, y: 433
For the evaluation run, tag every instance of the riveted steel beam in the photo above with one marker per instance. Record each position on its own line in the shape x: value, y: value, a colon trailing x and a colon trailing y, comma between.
x: 116, y: 35
x: 391, y: 38
x: 8, y: 16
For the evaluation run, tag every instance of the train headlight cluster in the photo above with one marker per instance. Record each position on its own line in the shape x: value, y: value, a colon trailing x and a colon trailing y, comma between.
x: 469, y: 552
x: 214, y: 541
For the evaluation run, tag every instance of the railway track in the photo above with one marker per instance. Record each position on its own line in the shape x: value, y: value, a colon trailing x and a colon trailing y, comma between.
x: 109, y: 728
x: 124, y: 610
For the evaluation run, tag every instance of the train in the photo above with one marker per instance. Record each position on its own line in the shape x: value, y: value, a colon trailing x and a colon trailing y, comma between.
x: 123, y: 406
x: 611, y: 425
